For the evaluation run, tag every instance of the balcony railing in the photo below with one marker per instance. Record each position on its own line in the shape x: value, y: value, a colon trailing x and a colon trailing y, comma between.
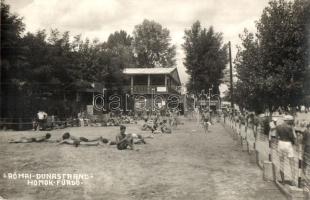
x: 141, y: 89
x: 144, y: 89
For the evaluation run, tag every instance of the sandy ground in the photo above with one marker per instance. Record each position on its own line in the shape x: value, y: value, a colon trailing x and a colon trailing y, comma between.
x: 187, y: 164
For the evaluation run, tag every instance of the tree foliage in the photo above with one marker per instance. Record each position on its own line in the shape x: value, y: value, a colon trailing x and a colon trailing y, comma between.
x: 272, y: 66
x: 44, y: 70
x: 120, y: 54
x: 11, y: 29
x: 205, y: 59
x: 11, y: 55
x: 249, y: 87
x: 152, y: 45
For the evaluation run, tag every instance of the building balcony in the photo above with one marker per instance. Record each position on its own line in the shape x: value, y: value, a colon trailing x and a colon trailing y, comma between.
x: 153, y: 89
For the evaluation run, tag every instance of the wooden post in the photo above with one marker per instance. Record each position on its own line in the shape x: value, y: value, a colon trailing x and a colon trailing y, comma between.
x: 270, y: 147
x: 93, y: 98
x: 148, y: 82
x: 231, y: 78
x: 299, y: 164
x: 131, y: 84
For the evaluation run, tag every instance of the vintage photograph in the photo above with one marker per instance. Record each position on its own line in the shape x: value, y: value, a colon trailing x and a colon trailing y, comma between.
x: 155, y: 100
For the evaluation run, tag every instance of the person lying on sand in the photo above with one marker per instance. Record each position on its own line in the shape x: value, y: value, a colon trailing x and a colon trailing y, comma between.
x: 137, y: 138
x: 32, y: 139
x: 67, y: 138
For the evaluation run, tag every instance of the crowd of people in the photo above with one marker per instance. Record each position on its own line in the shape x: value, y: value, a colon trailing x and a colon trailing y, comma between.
x: 124, y: 140
x: 283, y: 128
x: 44, y: 122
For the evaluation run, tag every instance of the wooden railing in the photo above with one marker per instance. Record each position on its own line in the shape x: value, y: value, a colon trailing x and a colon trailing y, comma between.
x: 144, y: 89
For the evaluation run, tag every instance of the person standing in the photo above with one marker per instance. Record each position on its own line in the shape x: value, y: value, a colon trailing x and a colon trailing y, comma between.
x: 197, y: 115
x: 286, y: 139
x: 306, y: 144
x: 42, y: 118
x: 206, y: 122
x: 272, y: 132
x: 224, y: 116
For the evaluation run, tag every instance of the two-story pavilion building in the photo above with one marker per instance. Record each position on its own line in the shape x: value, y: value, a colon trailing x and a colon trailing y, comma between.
x: 149, y: 85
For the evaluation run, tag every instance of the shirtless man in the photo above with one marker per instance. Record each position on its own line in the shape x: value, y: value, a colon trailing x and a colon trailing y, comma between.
x: 123, y: 140
x: 67, y: 138
x: 32, y: 139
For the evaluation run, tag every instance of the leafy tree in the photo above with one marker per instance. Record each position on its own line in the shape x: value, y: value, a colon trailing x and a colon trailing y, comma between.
x: 11, y: 29
x: 40, y: 70
x: 102, y: 62
x: 272, y: 67
x: 205, y: 59
x: 37, y: 69
x: 120, y: 53
x: 119, y: 45
x: 11, y: 58
x: 283, y: 46
x: 302, y: 11
x: 250, y: 85
x: 152, y: 45
x: 119, y: 38
x: 88, y: 66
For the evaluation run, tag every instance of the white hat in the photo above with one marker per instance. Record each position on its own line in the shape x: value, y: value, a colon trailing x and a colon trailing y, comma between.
x: 262, y: 115
x: 288, y: 118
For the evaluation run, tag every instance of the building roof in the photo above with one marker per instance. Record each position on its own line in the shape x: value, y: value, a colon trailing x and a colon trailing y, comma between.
x: 171, y: 71
x: 158, y: 70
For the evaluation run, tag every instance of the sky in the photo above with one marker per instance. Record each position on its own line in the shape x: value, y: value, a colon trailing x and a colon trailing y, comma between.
x: 99, y: 18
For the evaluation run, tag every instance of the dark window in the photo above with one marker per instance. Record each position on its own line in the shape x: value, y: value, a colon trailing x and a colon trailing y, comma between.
x: 140, y: 80
x: 158, y: 80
